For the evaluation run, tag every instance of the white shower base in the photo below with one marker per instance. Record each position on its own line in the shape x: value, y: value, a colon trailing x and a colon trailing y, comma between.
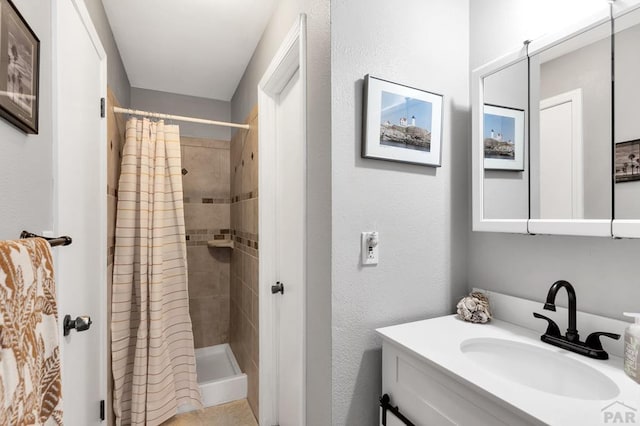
x: 219, y: 375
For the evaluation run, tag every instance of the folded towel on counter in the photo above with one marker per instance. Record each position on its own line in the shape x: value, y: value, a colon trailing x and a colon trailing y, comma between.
x: 30, y: 382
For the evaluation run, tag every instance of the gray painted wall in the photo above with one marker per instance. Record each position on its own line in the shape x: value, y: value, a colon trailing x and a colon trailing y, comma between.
x: 319, y: 200
x: 420, y: 212
x: 284, y: 16
x: 600, y: 268
x: 26, y: 178
x: 190, y: 106
x: 116, y: 74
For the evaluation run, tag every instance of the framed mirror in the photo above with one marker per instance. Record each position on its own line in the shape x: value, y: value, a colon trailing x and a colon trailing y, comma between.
x: 626, y: 185
x: 500, y: 145
x: 571, y: 133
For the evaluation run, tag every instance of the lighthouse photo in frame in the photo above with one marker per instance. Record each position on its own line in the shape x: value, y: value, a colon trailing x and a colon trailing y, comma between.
x: 503, y: 136
x: 401, y: 123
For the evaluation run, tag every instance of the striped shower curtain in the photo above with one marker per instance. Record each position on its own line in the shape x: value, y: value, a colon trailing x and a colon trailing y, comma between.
x: 153, y: 358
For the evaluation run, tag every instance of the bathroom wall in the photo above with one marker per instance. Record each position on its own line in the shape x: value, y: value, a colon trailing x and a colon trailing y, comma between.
x: 245, y: 98
x: 26, y: 177
x: 207, y: 201
x: 420, y: 212
x: 117, y: 77
x: 190, y: 106
x: 318, y: 345
x: 26, y: 181
x: 244, y: 258
x: 599, y: 268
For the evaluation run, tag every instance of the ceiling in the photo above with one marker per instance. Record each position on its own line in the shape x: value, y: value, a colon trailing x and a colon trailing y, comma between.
x: 191, y: 47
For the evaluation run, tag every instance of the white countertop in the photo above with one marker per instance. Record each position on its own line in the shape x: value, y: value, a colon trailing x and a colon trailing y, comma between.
x: 438, y: 340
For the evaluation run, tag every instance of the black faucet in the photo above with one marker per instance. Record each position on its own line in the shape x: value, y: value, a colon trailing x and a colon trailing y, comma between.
x: 571, y: 340
x: 572, y: 332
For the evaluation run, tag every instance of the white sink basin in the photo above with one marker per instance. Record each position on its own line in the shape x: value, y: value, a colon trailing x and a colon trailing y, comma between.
x: 545, y: 370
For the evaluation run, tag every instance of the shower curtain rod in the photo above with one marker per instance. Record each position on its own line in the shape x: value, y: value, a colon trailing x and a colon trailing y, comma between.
x: 178, y: 117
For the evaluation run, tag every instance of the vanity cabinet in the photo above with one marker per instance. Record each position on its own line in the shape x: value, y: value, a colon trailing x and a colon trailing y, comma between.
x: 426, y: 395
x: 556, y: 138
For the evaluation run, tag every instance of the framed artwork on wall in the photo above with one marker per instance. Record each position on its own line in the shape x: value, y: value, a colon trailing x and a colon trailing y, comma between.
x: 503, y: 136
x: 628, y: 161
x: 401, y: 123
x: 19, y: 69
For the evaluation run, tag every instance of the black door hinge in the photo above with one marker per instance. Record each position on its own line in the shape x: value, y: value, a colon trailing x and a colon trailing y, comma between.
x: 102, y: 107
x: 102, y: 409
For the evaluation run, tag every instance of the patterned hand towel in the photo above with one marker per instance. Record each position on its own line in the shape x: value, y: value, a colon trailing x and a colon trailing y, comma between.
x: 30, y: 383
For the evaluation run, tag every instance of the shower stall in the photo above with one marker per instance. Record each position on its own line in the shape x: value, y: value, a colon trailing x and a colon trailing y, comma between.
x: 220, y: 199
x: 206, y: 170
x: 220, y: 182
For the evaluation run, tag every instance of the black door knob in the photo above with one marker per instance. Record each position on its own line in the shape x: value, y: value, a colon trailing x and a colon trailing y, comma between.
x: 278, y: 288
x: 81, y: 323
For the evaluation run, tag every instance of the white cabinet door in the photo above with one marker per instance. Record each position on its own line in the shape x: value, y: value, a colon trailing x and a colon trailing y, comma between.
x: 80, y: 212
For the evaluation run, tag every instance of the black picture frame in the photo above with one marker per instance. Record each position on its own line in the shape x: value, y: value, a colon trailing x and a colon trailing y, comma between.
x: 19, y: 70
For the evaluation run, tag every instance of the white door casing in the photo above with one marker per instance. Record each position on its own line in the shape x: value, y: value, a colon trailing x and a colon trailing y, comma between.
x: 282, y: 224
x: 80, y: 206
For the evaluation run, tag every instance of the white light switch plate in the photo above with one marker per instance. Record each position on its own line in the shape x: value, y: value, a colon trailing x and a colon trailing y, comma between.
x: 369, y: 243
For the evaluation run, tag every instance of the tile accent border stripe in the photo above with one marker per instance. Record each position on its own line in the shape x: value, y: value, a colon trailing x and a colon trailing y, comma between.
x: 199, y: 237
x: 244, y: 196
x: 206, y: 200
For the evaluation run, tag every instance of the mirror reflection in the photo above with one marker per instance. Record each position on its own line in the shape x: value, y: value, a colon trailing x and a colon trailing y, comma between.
x: 505, y: 143
x: 627, y: 117
x: 571, y: 128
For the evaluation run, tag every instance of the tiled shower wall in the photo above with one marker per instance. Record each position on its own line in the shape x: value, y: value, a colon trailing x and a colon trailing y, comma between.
x: 207, y: 201
x: 244, y: 260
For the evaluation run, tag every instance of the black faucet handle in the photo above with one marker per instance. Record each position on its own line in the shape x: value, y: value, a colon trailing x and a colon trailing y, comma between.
x: 552, y: 327
x: 593, y: 340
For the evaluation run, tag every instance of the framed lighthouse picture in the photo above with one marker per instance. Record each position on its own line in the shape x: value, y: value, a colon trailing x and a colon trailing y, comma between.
x: 401, y: 123
x: 503, y: 136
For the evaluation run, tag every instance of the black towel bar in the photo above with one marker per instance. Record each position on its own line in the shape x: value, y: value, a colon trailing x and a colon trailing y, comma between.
x: 57, y: 241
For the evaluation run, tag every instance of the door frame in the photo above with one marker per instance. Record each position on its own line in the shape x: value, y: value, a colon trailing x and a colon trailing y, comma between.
x: 99, y: 210
x: 289, y: 59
